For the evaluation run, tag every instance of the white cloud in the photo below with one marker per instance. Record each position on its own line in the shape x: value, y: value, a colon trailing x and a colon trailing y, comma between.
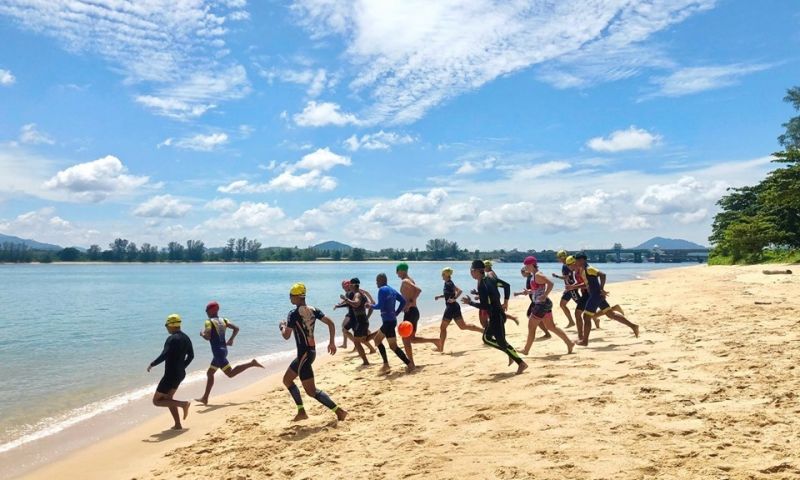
x: 174, y: 53
x: 163, y: 206
x: 249, y: 215
x: 623, y: 140
x: 412, y: 55
x: 470, y: 167
x: 221, y: 204
x: 199, y: 142
x: 324, y: 113
x: 30, y: 135
x: 313, y: 164
x: 324, y: 217
x: 96, y: 180
x: 377, y: 141
x: 7, y: 78
x: 690, y: 80
x: 686, y: 198
x: 316, y: 80
x: 45, y: 226
x: 322, y: 159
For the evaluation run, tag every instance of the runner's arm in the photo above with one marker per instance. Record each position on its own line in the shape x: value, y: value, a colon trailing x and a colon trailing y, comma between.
x: 332, y: 330
x: 402, y: 302
x: 235, y: 332
x: 189, y: 355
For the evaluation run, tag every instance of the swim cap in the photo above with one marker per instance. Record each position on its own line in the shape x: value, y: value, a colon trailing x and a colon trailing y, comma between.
x: 212, y: 306
x: 487, y: 264
x: 580, y: 256
x: 477, y: 265
x: 355, y: 281
x: 345, y: 283
x: 174, y: 320
x: 402, y: 266
x: 530, y: 260
x: 561, y: 254
x: 298, y: 289
x: 447, y: 270
x: 569, y: 260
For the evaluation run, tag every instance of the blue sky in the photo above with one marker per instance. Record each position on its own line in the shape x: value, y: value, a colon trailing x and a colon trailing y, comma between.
x: 518, y: 124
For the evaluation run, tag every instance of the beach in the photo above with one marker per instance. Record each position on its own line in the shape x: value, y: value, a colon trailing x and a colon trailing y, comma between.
x: 707, y: 391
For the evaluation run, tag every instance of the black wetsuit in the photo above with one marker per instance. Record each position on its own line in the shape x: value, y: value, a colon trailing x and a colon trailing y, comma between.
x: 494, y: 334
x: 359, y: 321
x: 452, y: 311
x: 302, y: 321
x: 177, y: 355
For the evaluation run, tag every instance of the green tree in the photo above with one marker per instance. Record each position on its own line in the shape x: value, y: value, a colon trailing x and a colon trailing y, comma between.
x: 118, y: 248
x: 148, y: 253
x: 357, y: 254
x: 746, y: 239
x: 69, y: 254
x: 228, y: 250
x: 93, y: 253
x: 240, y: 250
x: 337, y: 255
x: 791, y: 137
x: 253, y: 246
x: 131, y: 252
x: 175, y: 252
x: 195, y: 250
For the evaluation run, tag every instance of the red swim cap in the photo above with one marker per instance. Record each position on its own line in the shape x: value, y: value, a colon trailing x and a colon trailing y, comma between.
x: 530, y: 260
x: 212, y: 306
x: 345, y: 283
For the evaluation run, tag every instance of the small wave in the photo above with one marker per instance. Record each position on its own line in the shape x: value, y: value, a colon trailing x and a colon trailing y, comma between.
x: 52, y: 425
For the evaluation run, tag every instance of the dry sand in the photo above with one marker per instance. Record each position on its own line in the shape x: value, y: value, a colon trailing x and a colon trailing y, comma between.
x: 709, y: 390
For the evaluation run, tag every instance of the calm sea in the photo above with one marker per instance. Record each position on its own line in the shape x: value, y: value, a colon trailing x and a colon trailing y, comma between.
x: 77, y: 338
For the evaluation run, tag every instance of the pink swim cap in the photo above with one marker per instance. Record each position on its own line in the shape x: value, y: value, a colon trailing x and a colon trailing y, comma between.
x: 530, y: 260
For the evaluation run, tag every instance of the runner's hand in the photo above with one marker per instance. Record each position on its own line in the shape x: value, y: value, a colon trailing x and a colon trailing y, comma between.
x: 332, y: 348
x: 149, y: 367
x: 505, y: 305
x: 229, y: 342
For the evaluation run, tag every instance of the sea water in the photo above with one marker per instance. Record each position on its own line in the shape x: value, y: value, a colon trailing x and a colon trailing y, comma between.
x: 77, y: 338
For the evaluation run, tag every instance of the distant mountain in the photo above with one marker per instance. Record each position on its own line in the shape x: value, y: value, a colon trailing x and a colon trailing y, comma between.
x: 669, y: 244
x: 33, y: 244
x: 332, y: 246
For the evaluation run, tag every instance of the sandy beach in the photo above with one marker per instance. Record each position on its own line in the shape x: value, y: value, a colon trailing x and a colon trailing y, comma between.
x: 709, y: 390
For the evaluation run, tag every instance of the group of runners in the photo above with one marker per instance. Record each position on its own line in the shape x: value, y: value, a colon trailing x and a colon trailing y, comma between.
x: 583, y: 284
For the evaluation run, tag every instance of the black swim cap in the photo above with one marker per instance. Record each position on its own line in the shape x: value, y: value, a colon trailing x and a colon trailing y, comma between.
x: 580, y: 256
x: 355, y: 281
x: 477, y: 265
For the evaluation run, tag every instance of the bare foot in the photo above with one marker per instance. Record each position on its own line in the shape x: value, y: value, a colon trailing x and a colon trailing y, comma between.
x: 385, y: 367
x: 583, y: 343
x: 596, y: 323
x: 571, y: 324
x: 524, y: 352
x: 255, y: 363
x: 301, y: 415
x: 203, y: 400
x: 341, y: 414
x: 344, y: 345
x: 177, y: 427
x: 546, y: 336
x: 636, y: 330
x: 372, y: 351
x: 439, y: 346
x: 185, y: 408
x: 410, y: 367
x: 570, y: 346
x: 522, y: 367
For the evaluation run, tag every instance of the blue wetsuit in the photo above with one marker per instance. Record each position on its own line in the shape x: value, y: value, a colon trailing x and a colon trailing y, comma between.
x: 387, y: 296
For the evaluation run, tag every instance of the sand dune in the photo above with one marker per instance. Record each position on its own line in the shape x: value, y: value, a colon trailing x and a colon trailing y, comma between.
x: 709, y: 390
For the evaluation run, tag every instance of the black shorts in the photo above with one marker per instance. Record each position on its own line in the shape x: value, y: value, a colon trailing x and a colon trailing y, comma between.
x: 412, y: 316
x: 302, y: 364
x: 569, y: 295
x: 348, y: 323
x: 539, y: 310
x: 582, y: 302
x: 360, y: 326
x: 170, y: 382
x: 530, y: 310
x: 389, y: 329
x: 452, y: 312
x: 595, y: 303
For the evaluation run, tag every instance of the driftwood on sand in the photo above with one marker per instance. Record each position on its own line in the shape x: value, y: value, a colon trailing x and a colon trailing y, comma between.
x: 777, y: 272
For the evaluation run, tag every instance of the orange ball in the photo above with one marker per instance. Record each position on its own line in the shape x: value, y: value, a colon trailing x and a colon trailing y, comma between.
x: 405, y: 329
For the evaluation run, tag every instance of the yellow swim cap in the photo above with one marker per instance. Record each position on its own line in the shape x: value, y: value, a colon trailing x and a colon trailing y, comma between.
x: 487, y: 263
x: 570, y: 260
x: 447, y: 270
x: 298, y: 289
x: 174, y: 320
x: 561, y: 254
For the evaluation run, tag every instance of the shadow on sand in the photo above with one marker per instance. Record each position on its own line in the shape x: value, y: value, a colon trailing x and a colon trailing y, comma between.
x: 165, y: 435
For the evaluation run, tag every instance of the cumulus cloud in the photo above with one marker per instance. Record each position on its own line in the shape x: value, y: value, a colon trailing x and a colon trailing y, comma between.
x: 623, y: 140
x: 411, y: 56
x: 470, y: 167
x: 174, y: 53
x: 322, y: 114
x: 45, y: 226
x: 250, y: 215
x: 377, y: 141
x: 324, y: 217
x: 162, y: 206
x: 687, y: 200
x: 307, y: 173
x: 316, y: 80
x: 6, y: 78
x: 691, y: 80
x: 199, y: 142
x: 31, y: 135
x: 221, y: 204
x: 96, y: 180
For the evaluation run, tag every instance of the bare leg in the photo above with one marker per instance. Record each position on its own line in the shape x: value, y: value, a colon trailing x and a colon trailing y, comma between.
x: 533, y: 322
x: 621, y: 319
x: 359, y: 341
x: 241, y: 368
x: 443, y: 333
x: 209, y: 383
x: 435, y: 341
x: 166, y: 400
x: 468, y: 326
x: 410, y: 366
x: 579, y: 324
x: 567, y: 313
x: 548, y: 320
x: 345, y: 333
x: 587, y: 328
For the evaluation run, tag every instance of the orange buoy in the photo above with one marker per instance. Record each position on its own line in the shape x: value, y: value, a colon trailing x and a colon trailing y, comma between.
x: 405, y: 329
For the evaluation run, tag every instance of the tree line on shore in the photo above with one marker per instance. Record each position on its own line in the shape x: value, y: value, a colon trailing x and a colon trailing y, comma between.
x: 761, y: 222
x: 250, y: 250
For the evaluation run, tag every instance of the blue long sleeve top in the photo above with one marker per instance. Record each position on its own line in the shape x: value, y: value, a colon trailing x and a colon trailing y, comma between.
x: 387, y: 296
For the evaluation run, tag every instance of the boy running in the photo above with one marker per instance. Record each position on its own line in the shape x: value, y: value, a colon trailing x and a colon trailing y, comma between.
x: 177, y: 355
x: 301, y: 322
x: 387, y: 296
x: 214, y: 333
